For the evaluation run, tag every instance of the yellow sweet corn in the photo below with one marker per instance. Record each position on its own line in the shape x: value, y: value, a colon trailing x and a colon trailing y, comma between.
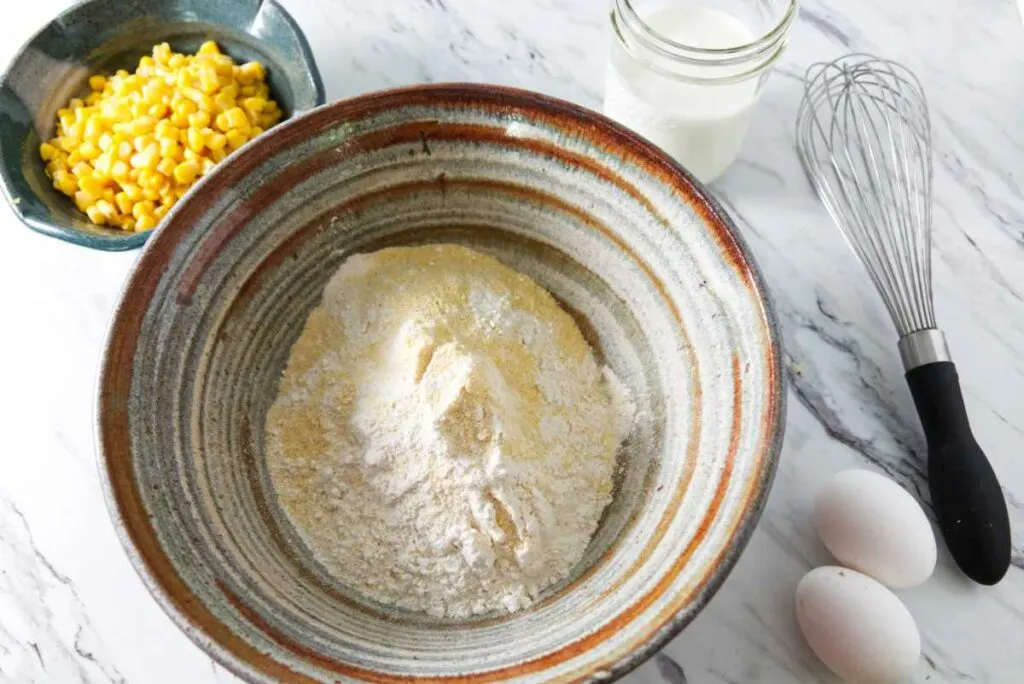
x: 133, y: 146
x: 236, y: 118
x: 186, y: 172
x: 167, y: 166
x: 236, y: 139
x: 216, y: 141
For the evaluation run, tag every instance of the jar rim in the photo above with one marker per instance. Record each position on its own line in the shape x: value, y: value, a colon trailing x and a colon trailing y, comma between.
x: 762, y: 43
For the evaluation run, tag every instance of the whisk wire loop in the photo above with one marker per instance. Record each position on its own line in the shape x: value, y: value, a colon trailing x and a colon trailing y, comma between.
x: 864, y: 138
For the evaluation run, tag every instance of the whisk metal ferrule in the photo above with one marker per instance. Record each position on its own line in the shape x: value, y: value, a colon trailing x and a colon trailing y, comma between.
x: 922, y: 347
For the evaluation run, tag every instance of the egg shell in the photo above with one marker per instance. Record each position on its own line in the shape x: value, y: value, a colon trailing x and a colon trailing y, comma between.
x: 870, y: 523
x: 858, y: 628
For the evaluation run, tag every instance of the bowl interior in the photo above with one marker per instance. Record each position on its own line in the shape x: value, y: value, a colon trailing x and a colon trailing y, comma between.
x: 618, y: 234
x: 103, y: 36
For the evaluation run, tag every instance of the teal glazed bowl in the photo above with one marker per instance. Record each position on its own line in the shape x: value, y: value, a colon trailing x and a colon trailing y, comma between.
x: 106, y: 35
x: 647, y: 262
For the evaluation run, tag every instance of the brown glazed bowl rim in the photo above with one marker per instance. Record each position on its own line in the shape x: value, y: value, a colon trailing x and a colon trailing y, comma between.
x: 136, y: 532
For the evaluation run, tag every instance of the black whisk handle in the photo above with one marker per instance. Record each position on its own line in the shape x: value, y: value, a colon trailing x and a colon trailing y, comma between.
x: 968, y: 501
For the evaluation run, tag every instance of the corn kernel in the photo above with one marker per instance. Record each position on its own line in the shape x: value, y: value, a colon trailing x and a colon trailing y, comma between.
x: 145, y: 223
x: 193, y: 94
x: 207, y: 166
x: 236, y: 118
x: 216, y: 141
x: 187, y: 107
x: 249, y: 72
x: 93, y: 128
x: 254, y: 104
x: 88, y: 150
x: 208, y: 81
x: 147, y: 159
x: 224, y: 67
x: 236, y: 139
x: 195, y: 140
x: 150, y: 194
x: 123, y: 202
x: 143, y: 208
x: 254, y: 131
x: 101, y: 166
x: 186, y: 171
x: 158, y: 110
x: 97, y: 82
x: 47, y: 151
x: 91, y: 185
x: 83, y: 200
x: 143, y: 125
x: 169, y: 146
x: 167, y: 166
x: 218, y: 155
x: 95, y: 215
x: 208, y: 48
x: 153, y: 181
x: 133, y: 191
x: 223, y: 101
x: 165, y: 130
x: 119, y: 171
x: 199, y: 120
x: 68, y: 185
x: 106, y: 208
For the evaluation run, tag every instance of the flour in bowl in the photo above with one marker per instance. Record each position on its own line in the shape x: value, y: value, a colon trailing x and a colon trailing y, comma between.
x: 444, y: 439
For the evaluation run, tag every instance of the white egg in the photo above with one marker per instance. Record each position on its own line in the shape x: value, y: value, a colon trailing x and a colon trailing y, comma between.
x: 857, y: 626
x: 870, y: 523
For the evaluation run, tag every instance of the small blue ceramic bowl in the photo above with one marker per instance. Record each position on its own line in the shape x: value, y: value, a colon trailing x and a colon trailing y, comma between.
x: 106, y: 35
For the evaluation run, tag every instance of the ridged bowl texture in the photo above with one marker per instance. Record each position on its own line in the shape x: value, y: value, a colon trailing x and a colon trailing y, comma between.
x: 636, y: 250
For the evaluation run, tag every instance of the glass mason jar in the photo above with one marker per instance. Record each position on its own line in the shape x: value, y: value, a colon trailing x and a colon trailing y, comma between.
x: 686, y: 74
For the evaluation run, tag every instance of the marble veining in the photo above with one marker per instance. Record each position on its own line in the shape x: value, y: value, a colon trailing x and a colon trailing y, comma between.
x: 71, y: 608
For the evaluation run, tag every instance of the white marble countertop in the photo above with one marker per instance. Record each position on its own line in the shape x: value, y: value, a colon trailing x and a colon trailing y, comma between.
x: 71, y: 607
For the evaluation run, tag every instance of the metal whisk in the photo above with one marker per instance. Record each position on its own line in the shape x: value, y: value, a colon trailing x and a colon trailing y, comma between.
x: 864, y: 138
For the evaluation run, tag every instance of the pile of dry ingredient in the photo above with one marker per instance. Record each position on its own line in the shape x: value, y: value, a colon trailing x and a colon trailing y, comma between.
x: 443, y: 438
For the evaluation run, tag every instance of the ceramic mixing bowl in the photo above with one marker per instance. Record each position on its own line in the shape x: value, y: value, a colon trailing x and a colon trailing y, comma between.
x: 647, y: 262
x: 101, y: 36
